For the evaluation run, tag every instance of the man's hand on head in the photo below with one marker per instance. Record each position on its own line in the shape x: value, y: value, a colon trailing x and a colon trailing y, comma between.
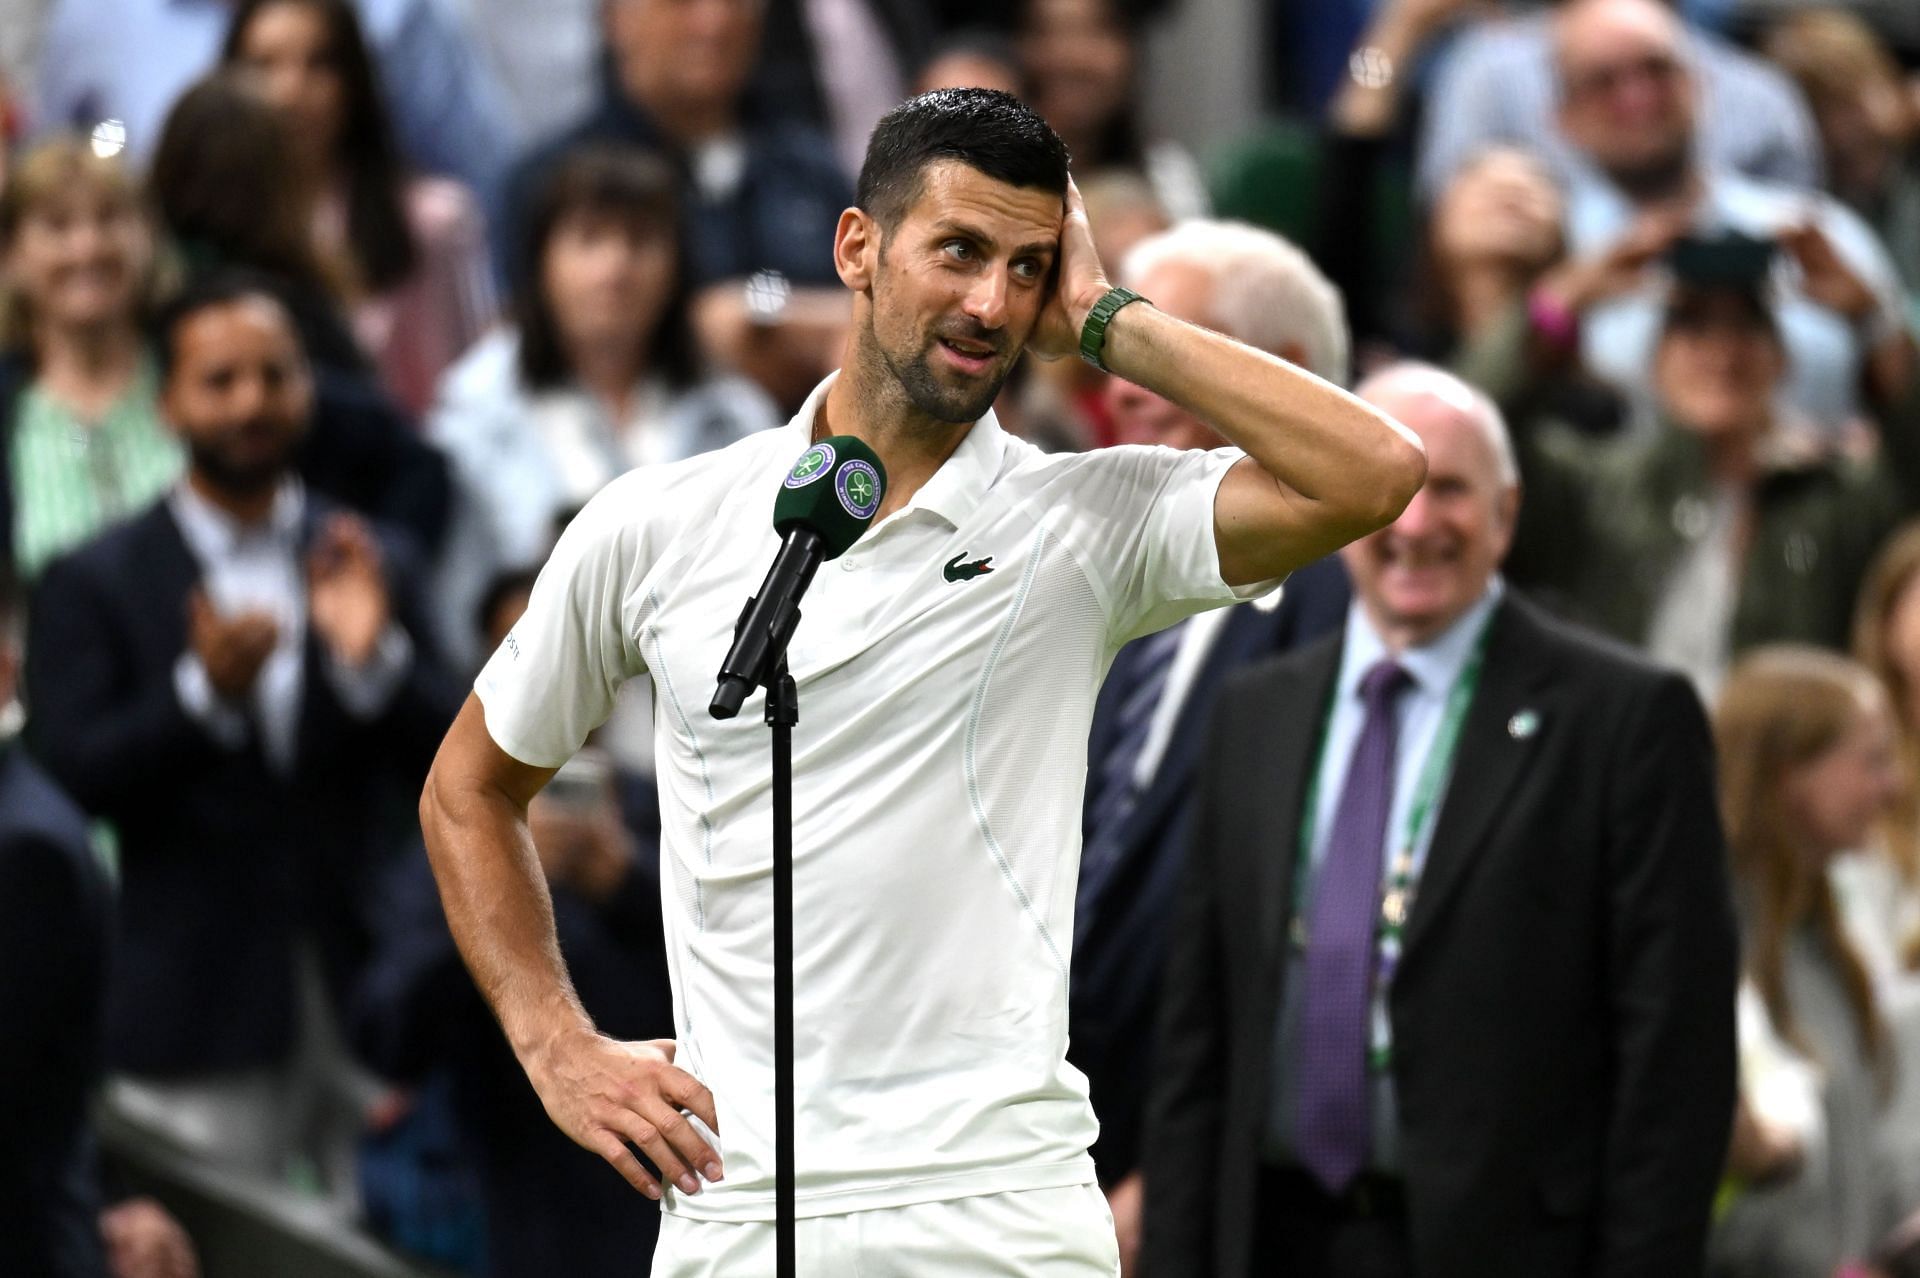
x: 1078, y: 282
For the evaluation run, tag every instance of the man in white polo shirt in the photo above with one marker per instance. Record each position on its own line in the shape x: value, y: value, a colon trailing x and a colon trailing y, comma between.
x: 947, y: 667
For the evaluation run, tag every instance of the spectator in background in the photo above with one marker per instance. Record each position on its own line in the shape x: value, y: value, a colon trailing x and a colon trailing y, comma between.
x: 1498, y: 85
x: 1143, y: 752
x: 238, y: 678
x: 550, y: 1206
x: 1881, y: 892
x: 228, y: 189
x: 409, y: 254
x: 597, y: 375
x: 1809, y: 766
x: 1080, y: 60
x: 545, y: 55
x: 1731, y: 523
x: 56, y: 929
x: 840, y: 65
x: 1869, y: 125
x: 1463, y: 1007
x: 228, y: 192
x: 971, y: 59
x: 1497, y: 283
x: 128, y: 60
x: 83, y: 443
x: 760, y: 197
x: 1628, y: 104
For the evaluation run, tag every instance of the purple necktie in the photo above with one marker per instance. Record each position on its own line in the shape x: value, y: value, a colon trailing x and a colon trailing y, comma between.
x: 1332, y: 1131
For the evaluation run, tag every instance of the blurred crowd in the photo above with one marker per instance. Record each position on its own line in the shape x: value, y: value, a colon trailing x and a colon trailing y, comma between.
x: 320, y: 318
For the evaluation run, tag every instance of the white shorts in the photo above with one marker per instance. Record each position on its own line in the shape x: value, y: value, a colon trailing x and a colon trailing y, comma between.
x: 1028, y: 1233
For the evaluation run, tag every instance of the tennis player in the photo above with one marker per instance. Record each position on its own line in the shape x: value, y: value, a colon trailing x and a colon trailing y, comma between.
x: 947, y: 667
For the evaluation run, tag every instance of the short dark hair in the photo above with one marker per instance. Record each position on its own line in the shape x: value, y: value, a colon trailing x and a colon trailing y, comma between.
x: 623, y: 182
x: 203, y: 292
x: 985, y: 129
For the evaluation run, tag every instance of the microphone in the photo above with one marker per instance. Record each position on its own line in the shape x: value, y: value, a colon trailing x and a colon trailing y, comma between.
x: 825, y: 503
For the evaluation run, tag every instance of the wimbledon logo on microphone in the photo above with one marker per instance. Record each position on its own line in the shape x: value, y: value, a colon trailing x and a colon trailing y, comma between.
x: 859, y: 487
x: 813, y: 464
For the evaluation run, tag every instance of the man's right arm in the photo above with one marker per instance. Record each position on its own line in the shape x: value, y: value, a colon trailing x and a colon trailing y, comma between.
x: 604, y: 1094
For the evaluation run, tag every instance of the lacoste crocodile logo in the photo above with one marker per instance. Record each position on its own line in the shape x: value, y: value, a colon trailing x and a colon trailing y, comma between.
x: 957, y: 571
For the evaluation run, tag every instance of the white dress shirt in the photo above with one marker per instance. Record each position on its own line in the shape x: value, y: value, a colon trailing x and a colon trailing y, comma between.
x: 259, y: 567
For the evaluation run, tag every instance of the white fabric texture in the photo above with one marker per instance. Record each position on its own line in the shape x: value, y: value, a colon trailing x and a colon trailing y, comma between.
x: 1058, y: 1233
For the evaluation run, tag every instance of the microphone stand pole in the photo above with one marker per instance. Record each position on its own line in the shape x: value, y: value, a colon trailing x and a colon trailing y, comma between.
x: 783, y: 711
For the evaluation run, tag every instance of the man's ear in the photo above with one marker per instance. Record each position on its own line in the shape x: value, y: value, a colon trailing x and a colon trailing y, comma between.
x: 856, y: 249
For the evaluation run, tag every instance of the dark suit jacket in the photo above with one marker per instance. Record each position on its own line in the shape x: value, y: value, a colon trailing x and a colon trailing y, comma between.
x: 223, y: 862
x: 54, y: 920
x: 1120, y: 936
x: 1563, y: 1012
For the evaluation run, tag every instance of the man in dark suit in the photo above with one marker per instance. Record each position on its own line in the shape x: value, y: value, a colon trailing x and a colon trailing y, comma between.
x: 236, y: 681
x: 56, y: 922
x: 54, y: 912
x: 1451, y: 984
x: 1254, y: 286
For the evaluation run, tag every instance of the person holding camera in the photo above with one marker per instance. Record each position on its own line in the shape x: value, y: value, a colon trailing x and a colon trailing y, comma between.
x: 1629, y: 103
x: 1732, y: 523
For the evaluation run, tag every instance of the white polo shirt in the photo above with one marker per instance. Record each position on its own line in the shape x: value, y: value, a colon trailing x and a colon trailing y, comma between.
x: 938, y: 769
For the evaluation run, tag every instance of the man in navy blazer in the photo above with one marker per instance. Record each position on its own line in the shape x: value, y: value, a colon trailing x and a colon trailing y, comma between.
x: 1254, y: 286
x: 235, y: 680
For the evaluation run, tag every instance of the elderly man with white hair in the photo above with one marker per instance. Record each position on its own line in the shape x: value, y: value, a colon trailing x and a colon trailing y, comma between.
x: 1451, y: 982
x: 1255, y: 287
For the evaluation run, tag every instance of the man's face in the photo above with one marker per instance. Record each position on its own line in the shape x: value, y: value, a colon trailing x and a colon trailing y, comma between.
x: 239, y: 393
x: 957, y: 287
x: 698, y: 51
x: 1426, y: 568
x: 1184, y: 290
x: 1717, y: 367
x: 1626, y: 95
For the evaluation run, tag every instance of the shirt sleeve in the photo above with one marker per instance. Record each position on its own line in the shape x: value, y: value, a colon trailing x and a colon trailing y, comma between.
x: 554, y: 678
x: 1145, y: 531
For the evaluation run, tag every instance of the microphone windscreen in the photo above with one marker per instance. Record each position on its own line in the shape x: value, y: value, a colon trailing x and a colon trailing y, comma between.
x: 834, y: 489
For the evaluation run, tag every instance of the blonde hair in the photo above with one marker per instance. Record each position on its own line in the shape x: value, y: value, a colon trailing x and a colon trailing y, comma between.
x: 1781, y: 709
x: 1895, y: 571
x: 48, y: 172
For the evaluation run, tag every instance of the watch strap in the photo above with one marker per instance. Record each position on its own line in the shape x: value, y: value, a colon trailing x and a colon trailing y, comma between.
x: 1093, y: 334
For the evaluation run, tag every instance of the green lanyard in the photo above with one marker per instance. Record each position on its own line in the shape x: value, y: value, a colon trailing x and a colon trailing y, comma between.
x: 1398, y: 897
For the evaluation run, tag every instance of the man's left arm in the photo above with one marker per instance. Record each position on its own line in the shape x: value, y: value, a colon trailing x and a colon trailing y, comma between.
x: 1672, y: 968
x: 1322, y: 467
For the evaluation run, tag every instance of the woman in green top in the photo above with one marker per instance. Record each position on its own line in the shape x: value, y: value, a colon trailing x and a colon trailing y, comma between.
x: 83, y: 442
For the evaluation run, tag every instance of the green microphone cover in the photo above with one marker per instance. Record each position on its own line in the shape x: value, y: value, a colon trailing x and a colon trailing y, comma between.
x: 834, y: 489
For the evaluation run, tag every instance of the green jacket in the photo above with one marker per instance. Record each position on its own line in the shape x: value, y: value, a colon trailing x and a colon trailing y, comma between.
x: 1604, y: 521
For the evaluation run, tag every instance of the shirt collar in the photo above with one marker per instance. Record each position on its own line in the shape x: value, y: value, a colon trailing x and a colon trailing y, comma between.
x: 214, y: 535
x: 956, y: 489
x: 1433, y: 665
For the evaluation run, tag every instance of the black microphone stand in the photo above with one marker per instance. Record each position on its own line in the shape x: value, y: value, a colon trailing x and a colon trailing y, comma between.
x: 783, y: 711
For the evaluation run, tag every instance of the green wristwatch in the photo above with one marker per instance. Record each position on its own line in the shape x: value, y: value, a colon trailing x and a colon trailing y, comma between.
x: 1093, y: 334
